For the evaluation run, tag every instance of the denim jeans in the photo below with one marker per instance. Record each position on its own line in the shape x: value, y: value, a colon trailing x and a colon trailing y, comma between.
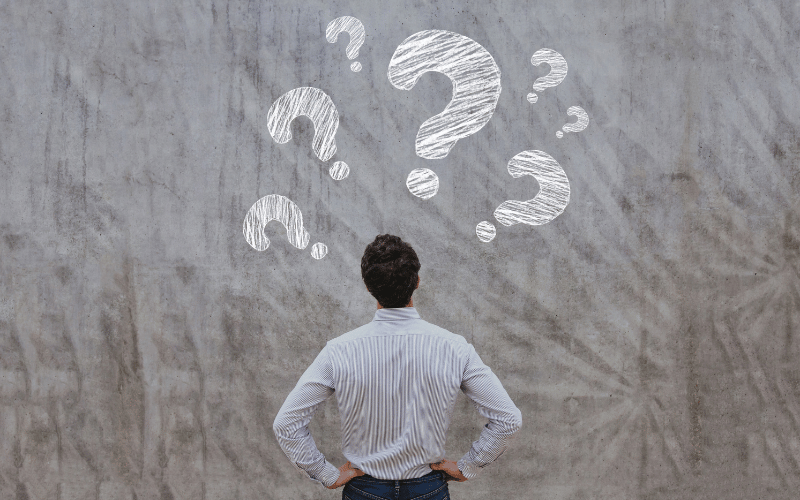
x: 431, y: 486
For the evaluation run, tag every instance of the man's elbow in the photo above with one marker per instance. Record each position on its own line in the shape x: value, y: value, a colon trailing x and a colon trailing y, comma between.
x: 516, y: 421
x: 507, y: 425
x: 279, y: 426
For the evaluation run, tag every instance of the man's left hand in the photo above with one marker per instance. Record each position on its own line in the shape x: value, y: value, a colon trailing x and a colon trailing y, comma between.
x: 346, y: 473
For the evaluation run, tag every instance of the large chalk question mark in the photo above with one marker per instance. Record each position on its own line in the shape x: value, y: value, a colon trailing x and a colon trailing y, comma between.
x: 582, y: 123
x: 357, y: 35
x: 316, y: 105
x: 476, y: 88
x: 282, y: 209
x: 549, y: 202
x: 558, y: 71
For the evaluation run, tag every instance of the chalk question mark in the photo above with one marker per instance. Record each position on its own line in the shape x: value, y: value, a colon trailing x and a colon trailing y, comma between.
x: 282, y: 209
x: 357, y: 35
x: 476, y: 89
x: 558, y: 71
x: 318, y: 106
x: 549, y: 202
x: 582, y: 123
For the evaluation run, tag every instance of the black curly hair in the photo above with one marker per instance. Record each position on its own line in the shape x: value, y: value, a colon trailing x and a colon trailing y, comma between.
x: 389, y: 268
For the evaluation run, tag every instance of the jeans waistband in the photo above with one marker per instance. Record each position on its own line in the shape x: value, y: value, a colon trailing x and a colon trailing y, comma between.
x: 431, y: 476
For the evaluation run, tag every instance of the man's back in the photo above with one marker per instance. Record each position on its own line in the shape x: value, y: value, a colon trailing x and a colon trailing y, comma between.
x: 396, y: 381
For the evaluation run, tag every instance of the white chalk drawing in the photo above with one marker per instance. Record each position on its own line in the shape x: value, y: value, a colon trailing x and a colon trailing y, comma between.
x: 485, y: 231
x: 558, y: 71
x: 270, y: 208
x: 319, y: 250
x: 357, y: 36
x: 282, y: 209
x: 476, y: 85
x: 310, y: 102
x: 423, y: 183
x: 339, y: 170
x: 582, y: 123
x: 549, y: 202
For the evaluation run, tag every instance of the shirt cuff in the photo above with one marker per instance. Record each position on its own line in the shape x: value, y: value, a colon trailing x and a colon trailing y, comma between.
x: 329, y: 475
x: 468, y: 468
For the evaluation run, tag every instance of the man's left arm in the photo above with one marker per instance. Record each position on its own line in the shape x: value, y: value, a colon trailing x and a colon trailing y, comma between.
x: 291, y: 423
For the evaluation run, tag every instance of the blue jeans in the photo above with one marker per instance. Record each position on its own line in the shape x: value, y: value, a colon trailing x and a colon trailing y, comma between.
x: 431, y: 486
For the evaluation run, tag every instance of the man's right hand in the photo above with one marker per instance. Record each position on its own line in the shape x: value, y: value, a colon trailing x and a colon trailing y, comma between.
x: 451, y: 469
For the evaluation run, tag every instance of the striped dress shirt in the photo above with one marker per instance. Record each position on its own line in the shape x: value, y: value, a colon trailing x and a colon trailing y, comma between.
x: 396, y: 380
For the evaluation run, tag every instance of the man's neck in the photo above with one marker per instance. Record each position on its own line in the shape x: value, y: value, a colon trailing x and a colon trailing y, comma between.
x: 410, y: 304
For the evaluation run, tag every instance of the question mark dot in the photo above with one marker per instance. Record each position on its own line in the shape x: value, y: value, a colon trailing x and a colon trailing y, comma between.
x: 339, y: 170
x: 356, y: 66
x: 485, y: 231
x: 319, y: 250
x: 559, y: 134
x: 423, y: 183
x: 532, y: 97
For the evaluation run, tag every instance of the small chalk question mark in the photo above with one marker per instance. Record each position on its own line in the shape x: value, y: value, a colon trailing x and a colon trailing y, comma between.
x: 476, y: 89
x: 318, y: 106
x: 558, y: 71
x: 582, y: 123
x: 357, y: 35
x: 549, y: 202
x: 282, y: 209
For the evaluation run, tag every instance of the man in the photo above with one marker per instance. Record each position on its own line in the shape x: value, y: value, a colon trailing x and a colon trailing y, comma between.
x: 396, y: 380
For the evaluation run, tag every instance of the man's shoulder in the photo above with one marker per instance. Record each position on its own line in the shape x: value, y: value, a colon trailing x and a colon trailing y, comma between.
x: 447, y: 334
x: 359, y: 332
x: 421, y: 327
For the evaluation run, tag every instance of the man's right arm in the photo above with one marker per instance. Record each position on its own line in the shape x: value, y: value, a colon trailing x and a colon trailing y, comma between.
x: 492, y: 401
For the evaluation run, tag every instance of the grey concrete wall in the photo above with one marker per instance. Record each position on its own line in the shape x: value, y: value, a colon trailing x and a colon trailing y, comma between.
x: 649, y: 334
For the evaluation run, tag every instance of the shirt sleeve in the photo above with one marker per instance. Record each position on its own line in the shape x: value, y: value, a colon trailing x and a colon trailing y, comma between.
x: 492, y: 401
x: 291, y: 423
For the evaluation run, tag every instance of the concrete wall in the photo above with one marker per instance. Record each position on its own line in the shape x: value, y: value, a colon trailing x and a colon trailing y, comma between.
x: 649, y: 334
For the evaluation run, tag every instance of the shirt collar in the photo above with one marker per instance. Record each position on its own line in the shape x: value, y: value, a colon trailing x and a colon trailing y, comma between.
x: 396, y: 314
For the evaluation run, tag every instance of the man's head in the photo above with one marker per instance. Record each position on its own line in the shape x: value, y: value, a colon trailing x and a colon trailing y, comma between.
x: 389, y: 268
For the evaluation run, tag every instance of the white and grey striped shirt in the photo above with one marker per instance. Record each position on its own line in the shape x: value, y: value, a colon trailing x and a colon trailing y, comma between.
x: 396, y: 380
